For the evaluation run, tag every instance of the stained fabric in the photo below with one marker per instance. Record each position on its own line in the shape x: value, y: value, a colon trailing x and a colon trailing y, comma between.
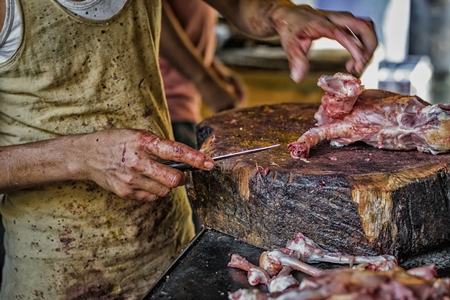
x: 75, y: 75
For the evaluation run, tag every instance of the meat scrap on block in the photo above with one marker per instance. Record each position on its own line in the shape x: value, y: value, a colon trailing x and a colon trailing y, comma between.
x: 366, y: 277
x: 349, y: 113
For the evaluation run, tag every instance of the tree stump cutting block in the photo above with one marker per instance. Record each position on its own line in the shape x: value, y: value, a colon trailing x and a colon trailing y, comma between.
x: 356, y: 199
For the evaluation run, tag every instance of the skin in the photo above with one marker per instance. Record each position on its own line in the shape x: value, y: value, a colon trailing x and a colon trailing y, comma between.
x: 122, y: 161
x: 125, y: 161
x: 298, y: 26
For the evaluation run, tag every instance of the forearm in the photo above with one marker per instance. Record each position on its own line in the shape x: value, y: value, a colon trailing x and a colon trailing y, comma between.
x: 253, y: 17
x: 123, y: 161
x: 38, y: 163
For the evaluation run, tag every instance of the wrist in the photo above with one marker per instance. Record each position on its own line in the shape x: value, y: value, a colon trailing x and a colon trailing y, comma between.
x: 73, y: 154
x: 275, y: 11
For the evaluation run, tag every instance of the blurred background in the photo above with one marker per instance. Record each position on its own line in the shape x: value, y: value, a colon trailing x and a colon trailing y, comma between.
x: 413, y: 56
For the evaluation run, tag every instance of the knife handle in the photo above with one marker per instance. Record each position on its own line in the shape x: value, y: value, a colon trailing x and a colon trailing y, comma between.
x: 180, y: 166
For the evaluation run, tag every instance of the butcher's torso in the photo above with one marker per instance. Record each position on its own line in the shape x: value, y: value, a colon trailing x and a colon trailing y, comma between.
x: 198, y: 20
x: 72, y: 74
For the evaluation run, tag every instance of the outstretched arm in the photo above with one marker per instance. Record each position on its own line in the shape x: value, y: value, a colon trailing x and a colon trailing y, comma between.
x: 298, y: 26
x: 126, y: 162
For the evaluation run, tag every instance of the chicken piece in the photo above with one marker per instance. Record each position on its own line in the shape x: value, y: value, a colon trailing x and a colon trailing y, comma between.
x: 378, y: 277
x: 341, y: 93
x: 273, y: 261
x: 255, y: 274
x: 425, y: 272
x: 248, y: 294
x: 353, y: 284
x: 350, y: 113
x: 308, y: 251
x: 284, y: 280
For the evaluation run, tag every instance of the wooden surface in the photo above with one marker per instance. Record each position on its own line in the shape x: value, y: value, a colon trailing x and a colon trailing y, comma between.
x: 355, y: 199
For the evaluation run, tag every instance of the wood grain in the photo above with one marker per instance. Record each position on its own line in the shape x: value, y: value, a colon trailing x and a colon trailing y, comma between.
x: 355, y: 199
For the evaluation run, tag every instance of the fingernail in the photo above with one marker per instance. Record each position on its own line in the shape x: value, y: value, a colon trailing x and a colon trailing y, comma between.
x: 297, y: 70
x: 295, y: 75
x: 208, y: 165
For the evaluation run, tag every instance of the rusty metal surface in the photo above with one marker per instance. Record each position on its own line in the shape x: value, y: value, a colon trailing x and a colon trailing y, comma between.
x: 201, y: 271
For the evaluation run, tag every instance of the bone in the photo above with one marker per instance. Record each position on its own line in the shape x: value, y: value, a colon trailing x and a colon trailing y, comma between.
x: 255, y: 274
x: 274, y: 261
x: 308, y: 251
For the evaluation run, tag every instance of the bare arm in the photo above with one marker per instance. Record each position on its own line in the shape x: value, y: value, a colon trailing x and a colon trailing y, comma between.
x: 298, y: 26
x: 177, y: 48
x: 122, y: 161
x: 254, y: 17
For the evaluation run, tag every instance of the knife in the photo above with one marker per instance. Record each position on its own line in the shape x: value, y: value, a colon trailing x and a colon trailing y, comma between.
x: 358, y: 41
x: 186, y: 167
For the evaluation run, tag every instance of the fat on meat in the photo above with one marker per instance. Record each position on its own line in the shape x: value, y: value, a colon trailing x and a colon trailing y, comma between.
x: 349, y: 113
x: 371, y: 278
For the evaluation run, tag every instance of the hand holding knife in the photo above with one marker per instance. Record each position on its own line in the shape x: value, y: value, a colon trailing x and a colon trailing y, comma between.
x: 187, y: 167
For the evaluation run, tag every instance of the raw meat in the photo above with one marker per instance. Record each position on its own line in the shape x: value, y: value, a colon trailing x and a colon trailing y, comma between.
x: 255, y: 274
x: 374, y: 278
x: 350, y: 113
x: 308, y: 251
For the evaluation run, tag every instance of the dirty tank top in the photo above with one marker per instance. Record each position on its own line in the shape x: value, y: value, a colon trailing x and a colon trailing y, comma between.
x: 75, y: 240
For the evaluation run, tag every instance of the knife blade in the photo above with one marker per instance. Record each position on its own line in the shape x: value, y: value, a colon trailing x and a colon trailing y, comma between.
x: 358, y: 41
x: 186, y: 167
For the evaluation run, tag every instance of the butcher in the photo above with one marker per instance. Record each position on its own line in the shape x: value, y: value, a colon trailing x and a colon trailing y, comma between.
x: 89, y: 211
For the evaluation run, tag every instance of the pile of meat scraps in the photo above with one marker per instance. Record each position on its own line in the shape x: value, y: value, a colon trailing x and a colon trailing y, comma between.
x: 365, y: 277
x: 349, y: 113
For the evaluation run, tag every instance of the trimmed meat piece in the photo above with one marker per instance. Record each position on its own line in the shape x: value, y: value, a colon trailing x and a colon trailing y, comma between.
x: 350, y: 113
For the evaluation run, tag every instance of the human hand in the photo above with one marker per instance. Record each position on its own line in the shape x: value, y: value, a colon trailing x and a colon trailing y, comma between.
x: 128, y: 162
x: 298, y: 26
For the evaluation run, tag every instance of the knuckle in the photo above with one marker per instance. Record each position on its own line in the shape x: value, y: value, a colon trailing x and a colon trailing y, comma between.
x: 149, y: 198
x: 165, y: 192
x: 175, y: 180
x: 125, y: 193
x: 178, y: 150
x: 129, y: 181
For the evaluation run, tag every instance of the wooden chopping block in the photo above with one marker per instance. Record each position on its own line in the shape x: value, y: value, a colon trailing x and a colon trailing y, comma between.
x: 356, y: 199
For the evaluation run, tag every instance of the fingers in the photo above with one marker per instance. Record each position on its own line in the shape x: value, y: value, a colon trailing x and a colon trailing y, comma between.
x: 296, y: 50
x: 357, y: 35
x: 171, y: 150
x: 365, y: 31
x: 161, y: 174
x: 360, y: 55
x: 144, y: 189
x: 300, y: 26
x: 299, y: 63
x: 127, y: 162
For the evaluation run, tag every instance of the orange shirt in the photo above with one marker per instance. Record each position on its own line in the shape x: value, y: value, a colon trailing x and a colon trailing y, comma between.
x: 198, y: 20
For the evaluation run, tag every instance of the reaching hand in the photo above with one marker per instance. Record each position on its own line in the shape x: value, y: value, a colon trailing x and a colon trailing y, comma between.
x: 299, y: 26
x: 127, y: 162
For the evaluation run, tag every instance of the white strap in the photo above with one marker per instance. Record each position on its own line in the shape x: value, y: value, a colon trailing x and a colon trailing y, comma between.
x: 11, y: 33
x: 8, y: 21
